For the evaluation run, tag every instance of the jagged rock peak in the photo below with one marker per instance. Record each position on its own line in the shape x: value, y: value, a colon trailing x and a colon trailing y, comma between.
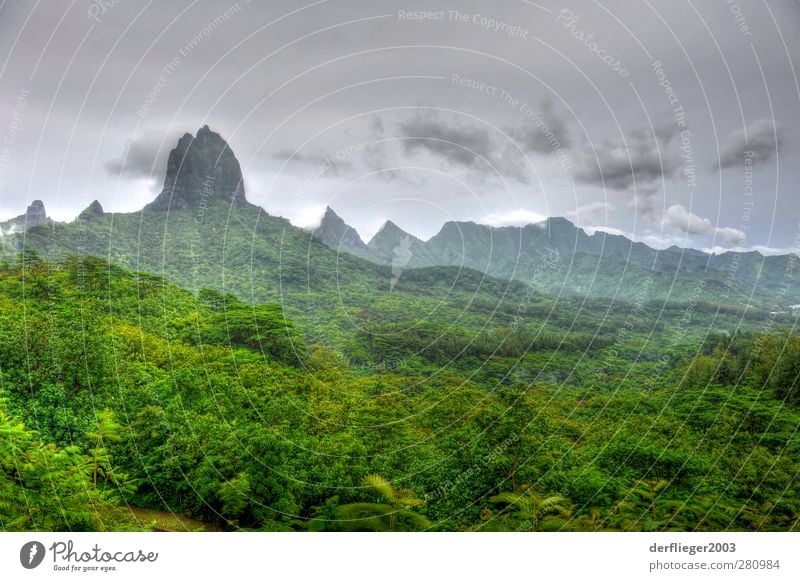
x: 36, y: 213
x: 334, y: 232
x: 391, y: 231
x: 202, y: 168
x: 91, y: 211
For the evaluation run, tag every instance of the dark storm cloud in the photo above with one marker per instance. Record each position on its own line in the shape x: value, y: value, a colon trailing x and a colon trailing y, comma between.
x: 460, y: 144
x: 271, y: 77
x: 547, y: 134
x: 760, y: 142
x: 453, y: 141
x: 641, y: 159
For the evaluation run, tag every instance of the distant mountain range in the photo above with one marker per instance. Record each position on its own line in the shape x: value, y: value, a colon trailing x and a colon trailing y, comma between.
x: 557, y: 257
x: 201, y: 231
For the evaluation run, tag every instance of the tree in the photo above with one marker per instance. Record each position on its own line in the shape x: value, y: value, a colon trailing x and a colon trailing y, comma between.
x: 107, y: 430
x: 395, y: 513
x: 235, y: 496
x: 533, y: 511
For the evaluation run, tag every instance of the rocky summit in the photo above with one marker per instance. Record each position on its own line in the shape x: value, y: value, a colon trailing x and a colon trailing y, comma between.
x: 200, y: 168
x: 35, y: 215
x: 334, y: 232
x: 92, y: 211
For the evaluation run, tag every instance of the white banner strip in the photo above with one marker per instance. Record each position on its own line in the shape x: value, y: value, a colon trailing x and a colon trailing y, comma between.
x: 400, y: 556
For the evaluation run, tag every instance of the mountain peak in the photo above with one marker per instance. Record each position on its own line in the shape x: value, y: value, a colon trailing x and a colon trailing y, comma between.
x: 334, y: 232
x: 389, y: 232
x: 200, y: 168
x: 559, y: 222
x: 34, y: 215
x: 91, y: 211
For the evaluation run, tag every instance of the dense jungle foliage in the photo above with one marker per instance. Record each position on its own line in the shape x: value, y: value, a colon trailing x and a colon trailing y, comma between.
x: 128, y: 403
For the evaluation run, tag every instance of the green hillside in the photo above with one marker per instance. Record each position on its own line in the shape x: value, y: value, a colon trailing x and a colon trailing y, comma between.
x: 202, y: 365
x: 121, y: 390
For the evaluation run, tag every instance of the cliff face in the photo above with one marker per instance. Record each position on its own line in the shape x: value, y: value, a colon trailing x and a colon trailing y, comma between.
x: 200, y: 168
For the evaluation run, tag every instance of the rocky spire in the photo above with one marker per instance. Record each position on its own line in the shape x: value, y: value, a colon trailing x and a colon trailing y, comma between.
x: 35, y: 215
x: 200, y: 170
x: 93, y: 210
x: 334, y: 232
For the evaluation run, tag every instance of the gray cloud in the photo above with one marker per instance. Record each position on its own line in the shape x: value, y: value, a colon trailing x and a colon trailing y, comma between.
x: 455, y: 142
x: 144, y: 157
x: 592, y: 214
x: 320, y: 161
x: 355, y: 66
x: 546, y: 133
x: 761, y: 141
x: 460, y: 144
x: 641, y: 159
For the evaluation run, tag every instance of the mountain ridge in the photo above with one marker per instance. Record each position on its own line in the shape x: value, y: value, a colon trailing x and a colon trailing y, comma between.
x: 235, y: 237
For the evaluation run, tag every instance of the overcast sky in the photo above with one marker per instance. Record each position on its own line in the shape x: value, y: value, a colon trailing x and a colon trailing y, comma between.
x: 675, y: 122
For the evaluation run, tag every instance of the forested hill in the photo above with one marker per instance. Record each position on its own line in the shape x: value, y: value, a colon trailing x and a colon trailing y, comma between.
x: 122, y: 394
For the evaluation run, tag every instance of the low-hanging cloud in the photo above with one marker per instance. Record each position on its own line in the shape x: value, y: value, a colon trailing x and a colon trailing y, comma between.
x: 760, y: 142
x: 592, y: 214
x: 677, y: 217
x: 516, y: 217
x: 144, y: 157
